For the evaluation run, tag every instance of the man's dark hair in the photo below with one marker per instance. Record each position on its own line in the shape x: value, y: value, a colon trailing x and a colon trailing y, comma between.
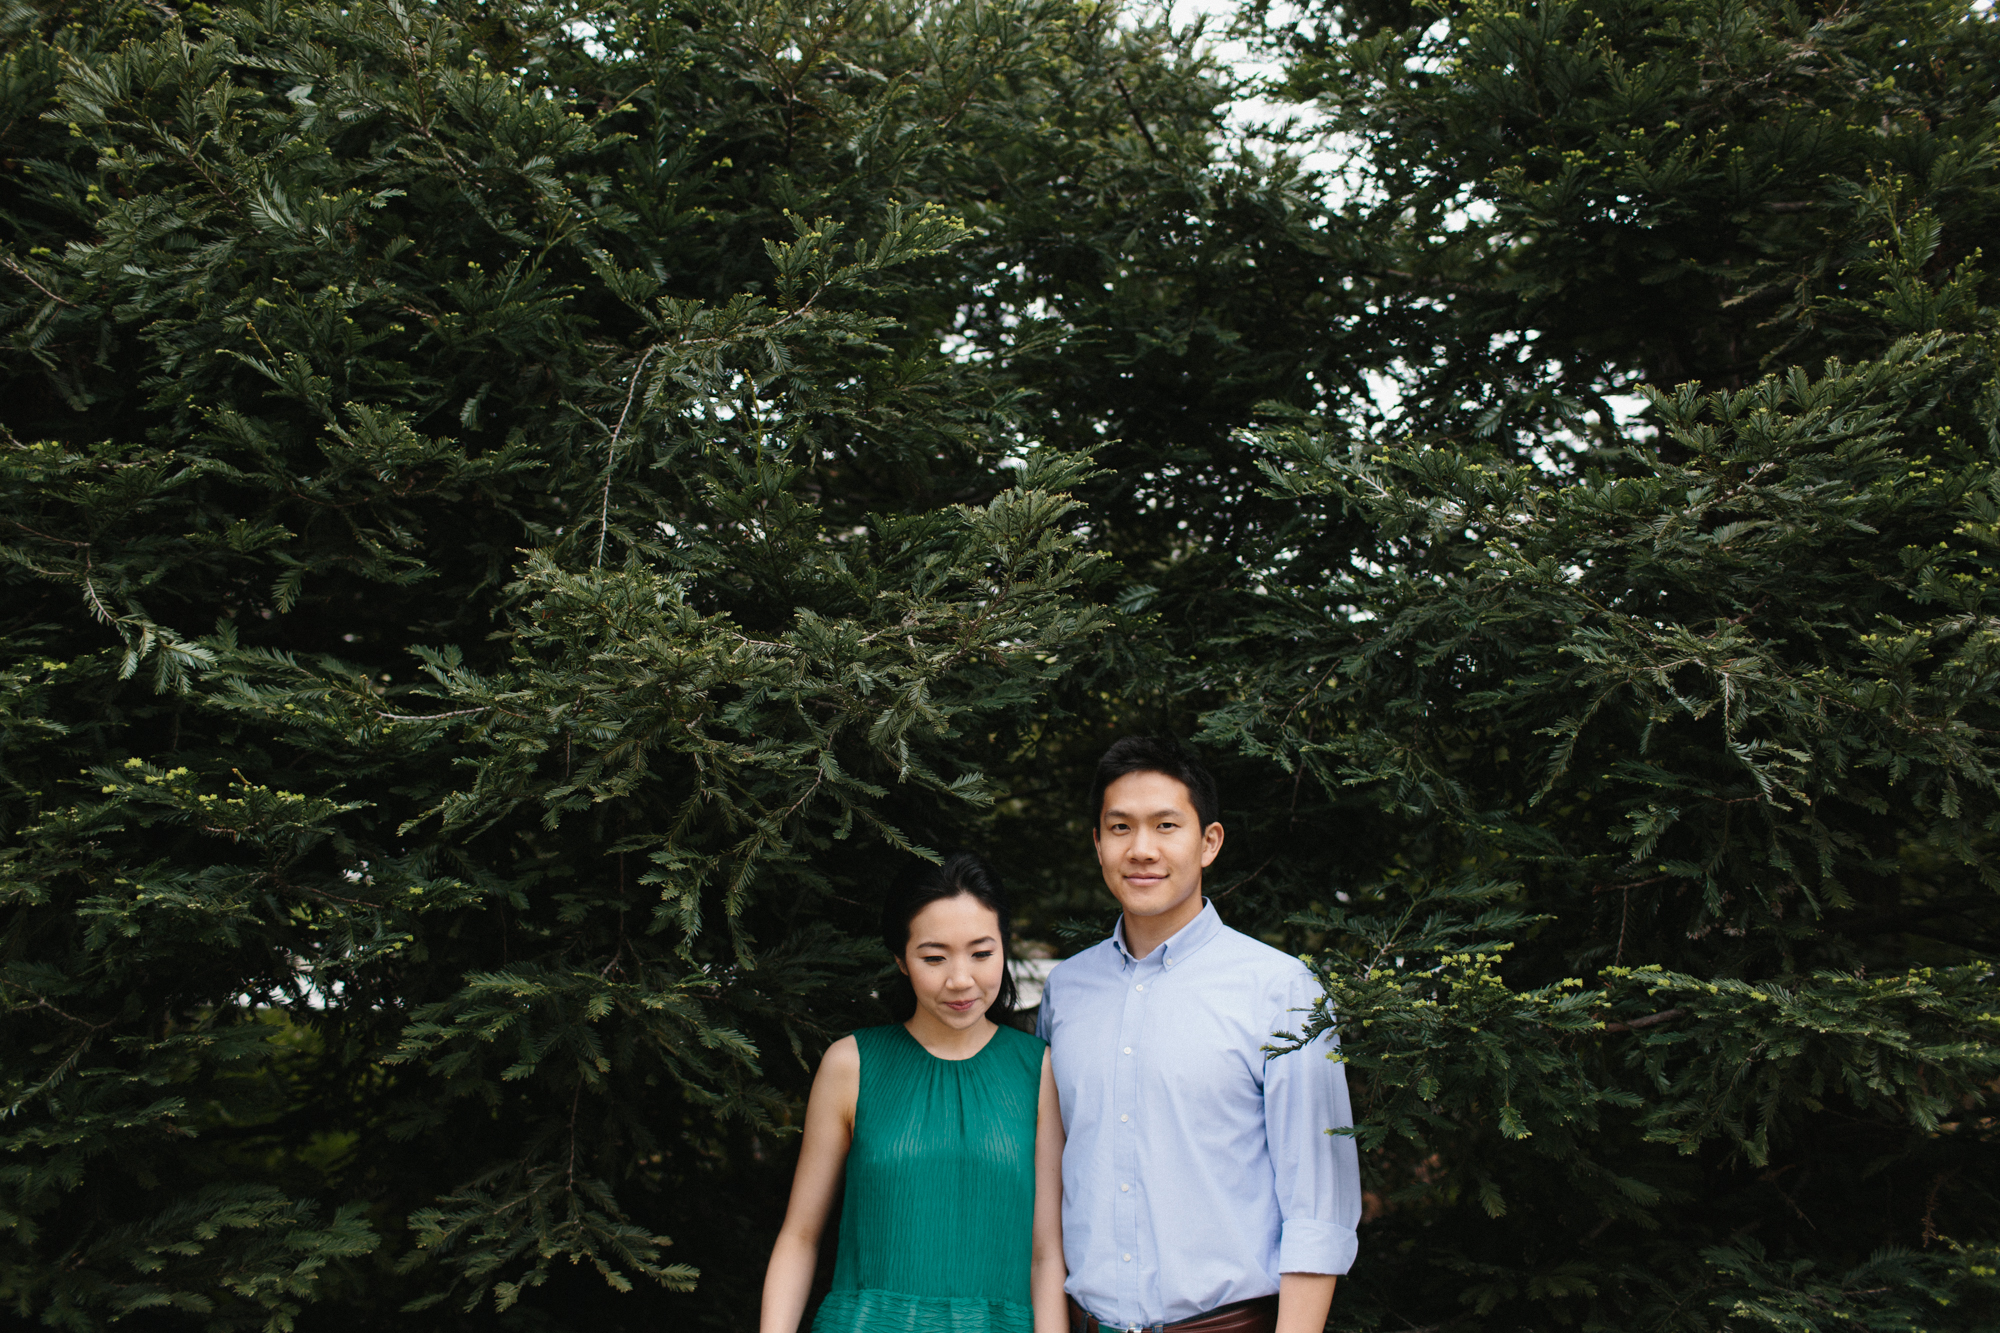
x: 920, y: 886
x: 1163, y: 755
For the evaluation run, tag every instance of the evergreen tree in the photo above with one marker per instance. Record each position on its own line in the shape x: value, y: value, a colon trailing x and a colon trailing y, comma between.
x: 1630, y: 778
x: 517, y: 517
x: 502, y: 558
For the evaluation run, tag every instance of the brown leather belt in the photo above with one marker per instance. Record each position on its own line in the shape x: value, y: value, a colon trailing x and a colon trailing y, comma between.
x: 1252, y: 1316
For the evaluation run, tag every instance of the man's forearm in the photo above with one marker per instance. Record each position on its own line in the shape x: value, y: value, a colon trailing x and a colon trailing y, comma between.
x: 1303, y: 1301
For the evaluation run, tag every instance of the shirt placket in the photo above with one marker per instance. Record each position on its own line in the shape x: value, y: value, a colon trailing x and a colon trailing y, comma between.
x: 1133, y: 1265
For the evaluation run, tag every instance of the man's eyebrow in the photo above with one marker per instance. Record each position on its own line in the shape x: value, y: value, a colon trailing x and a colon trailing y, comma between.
x: 1157, y: 814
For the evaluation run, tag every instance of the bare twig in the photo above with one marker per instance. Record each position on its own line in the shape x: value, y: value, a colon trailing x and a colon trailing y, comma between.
x: 41, y: 1002
x: 1224, y: 893
x: 30, y: 279
x: 611, y: 456
x: 1133, y: 110
x: 1629, y: 884
x: 47, y: 536
x: 1649, y: 1020
x: 427, y: 717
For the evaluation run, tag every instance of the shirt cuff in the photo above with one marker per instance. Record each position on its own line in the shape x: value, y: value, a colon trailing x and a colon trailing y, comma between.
x: 1307, y: 1245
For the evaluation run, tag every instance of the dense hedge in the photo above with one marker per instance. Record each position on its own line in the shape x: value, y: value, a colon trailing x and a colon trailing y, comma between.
x: 516, y: 518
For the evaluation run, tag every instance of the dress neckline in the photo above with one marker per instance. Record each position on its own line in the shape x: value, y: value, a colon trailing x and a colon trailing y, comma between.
x: 991, y: 1037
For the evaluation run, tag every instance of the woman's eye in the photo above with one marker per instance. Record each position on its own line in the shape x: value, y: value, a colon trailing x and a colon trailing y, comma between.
x: 933, y: 958
x: 983, y: 953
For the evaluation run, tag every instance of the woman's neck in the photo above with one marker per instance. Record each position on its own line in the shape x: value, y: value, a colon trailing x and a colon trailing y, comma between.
x: 950, y: 1043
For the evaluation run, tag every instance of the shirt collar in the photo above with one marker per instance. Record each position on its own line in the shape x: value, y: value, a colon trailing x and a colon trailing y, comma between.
x: 1181, y: 943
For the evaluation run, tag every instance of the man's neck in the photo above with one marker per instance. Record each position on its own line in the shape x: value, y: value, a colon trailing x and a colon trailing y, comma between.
x: 1143, y: 934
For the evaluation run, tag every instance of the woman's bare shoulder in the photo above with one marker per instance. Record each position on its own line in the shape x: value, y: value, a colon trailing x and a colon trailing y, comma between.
x: 842, y: 1059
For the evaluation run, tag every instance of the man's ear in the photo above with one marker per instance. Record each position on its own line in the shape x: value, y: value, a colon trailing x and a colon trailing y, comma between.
x: 1211, y: 843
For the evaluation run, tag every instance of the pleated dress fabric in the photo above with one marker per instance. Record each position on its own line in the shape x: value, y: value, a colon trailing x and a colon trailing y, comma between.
x: 937, y: 1229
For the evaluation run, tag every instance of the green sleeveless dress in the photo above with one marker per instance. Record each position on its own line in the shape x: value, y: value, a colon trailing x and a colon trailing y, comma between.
x: 937, y: 1229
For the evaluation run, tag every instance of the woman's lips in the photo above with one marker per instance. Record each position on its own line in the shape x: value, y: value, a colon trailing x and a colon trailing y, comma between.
x: 960, y: 1005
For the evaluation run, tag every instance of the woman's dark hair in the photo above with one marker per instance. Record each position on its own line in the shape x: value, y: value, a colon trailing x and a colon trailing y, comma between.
x: 919, y: 887
x: 1163, y: 755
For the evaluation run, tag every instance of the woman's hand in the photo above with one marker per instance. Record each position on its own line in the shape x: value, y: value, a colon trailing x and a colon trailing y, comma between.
x: 1049, y: 1271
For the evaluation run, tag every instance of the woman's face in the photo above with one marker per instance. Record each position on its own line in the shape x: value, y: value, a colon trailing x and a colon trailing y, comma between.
x: 953, y: 960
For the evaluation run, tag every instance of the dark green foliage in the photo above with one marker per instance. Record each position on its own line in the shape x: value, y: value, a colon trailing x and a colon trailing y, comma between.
x: 1651, y: 758
x: 517, y: 518
x: 497, y: 566
x: 1572, y: 199
x: 1729, y: 714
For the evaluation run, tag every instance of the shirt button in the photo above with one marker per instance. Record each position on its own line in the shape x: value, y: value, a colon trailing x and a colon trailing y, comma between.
x: 1128, y: 1258
x: 1170, y: 962
x: 1140, y: 986
x: 1128, y: 1050
x: 1123, y: 1118
x: 1124, y: 1189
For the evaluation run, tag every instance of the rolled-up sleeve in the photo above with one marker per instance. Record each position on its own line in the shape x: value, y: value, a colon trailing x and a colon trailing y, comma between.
x: 1318, y: 1173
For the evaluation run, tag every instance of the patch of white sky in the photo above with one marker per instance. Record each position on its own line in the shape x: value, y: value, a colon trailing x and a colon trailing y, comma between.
x: 1258, y: 111
x: 1255, y: 115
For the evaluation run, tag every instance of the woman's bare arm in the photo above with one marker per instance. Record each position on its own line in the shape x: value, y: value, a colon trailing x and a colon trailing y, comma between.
x: 1048, y: 1272
x: 823, y: 1154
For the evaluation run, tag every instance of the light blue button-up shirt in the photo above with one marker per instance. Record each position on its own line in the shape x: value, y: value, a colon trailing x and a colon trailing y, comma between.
x: 1196, y: 1169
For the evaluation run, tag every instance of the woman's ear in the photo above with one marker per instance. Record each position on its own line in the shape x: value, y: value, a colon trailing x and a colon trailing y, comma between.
x: 902, y: 965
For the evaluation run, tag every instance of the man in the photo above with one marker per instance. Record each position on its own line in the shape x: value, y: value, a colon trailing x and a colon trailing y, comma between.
x: 1201, y: 1190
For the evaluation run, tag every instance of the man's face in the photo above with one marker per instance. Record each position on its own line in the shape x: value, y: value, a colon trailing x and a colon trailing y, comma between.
x: 1151, y: 845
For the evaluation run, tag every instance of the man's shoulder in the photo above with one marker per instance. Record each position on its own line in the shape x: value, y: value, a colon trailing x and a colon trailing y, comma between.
x: 1081, y: 964
x: 1084, y: 971
x: 1248, y: 954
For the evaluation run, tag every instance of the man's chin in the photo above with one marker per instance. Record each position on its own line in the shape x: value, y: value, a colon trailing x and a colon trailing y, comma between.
x: 1153, y: 901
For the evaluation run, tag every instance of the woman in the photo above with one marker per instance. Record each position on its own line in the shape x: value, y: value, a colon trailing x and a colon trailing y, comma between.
x: 947, y: 1129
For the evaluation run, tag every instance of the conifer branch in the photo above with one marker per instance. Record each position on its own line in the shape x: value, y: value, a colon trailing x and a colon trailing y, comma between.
x: 28, y: 277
